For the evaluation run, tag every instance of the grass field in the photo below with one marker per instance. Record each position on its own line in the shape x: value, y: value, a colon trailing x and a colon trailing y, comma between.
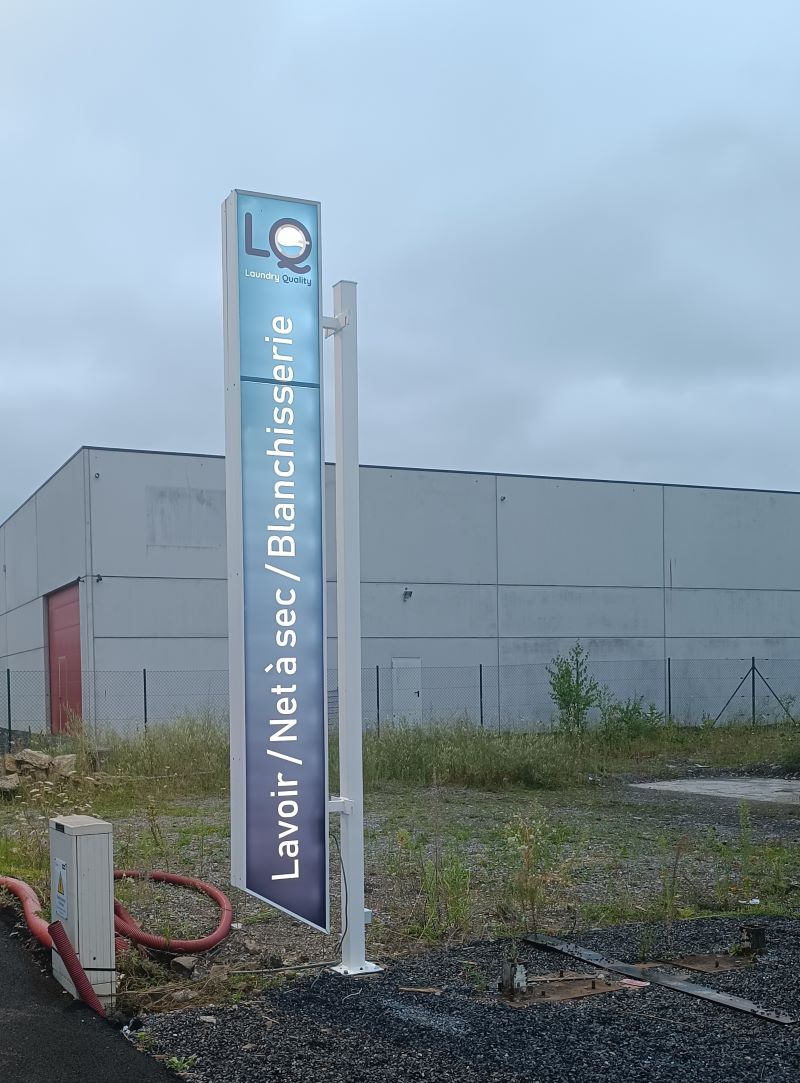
x: 468, y: 835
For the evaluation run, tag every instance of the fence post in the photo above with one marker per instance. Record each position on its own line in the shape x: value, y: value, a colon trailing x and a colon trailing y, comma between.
x: 499, y: 700
x: 753, y: 690
x: 669, y: 688
x: 8, y: 705
x: 480, y: 688
x: 144, y: 697
x: 378, y: 698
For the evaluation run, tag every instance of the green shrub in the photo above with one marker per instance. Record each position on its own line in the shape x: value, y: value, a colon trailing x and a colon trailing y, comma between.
x: 572, y: 690
x: 628, y: 719
x: 790, y: 760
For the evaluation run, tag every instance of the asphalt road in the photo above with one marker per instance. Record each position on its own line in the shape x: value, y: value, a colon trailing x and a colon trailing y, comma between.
x: 46, y: 1037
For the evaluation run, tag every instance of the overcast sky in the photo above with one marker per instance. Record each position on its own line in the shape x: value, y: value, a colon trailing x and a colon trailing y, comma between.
x: 574, y: 225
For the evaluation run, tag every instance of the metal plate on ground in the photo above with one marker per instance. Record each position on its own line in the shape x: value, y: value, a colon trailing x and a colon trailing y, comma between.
x: 710, y: 964
x: 703, y: 992
x: 560, y: 975
x: 554, y: 992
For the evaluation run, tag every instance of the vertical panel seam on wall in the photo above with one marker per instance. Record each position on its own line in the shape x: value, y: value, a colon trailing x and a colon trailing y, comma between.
x: 89, y: 578
x: 664, y: 587
x: 497, y: 587
x: 4, y: 600
x: 37, y: 588
x: 44, y: 613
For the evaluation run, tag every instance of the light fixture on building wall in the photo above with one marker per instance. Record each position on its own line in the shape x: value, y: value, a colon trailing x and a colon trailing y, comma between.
x: 407, y: 594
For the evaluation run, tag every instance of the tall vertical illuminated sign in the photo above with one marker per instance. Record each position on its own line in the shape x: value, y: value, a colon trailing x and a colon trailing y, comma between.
x: 276, y: 582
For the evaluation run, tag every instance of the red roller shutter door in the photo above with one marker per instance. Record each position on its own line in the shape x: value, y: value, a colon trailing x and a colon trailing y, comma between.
x: 64, y: 639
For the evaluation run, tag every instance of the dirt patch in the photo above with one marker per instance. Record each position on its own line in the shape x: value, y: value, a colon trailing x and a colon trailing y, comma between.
x: 631, y: 853
x: 622, y: 854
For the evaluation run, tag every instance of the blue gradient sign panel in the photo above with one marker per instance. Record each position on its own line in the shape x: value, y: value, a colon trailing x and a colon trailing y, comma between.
x: 274, y: 467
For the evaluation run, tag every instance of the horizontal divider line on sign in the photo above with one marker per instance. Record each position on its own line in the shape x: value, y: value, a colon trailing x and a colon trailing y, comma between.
x: 280, y: 383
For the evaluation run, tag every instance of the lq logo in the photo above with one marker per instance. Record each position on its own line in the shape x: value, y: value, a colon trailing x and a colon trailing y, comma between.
x: 288, y: 239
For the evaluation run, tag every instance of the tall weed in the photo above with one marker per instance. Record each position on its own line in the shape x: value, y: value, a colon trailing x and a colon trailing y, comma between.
x: 446, y: 884
x: 537, y: 868
x: 189, y: 755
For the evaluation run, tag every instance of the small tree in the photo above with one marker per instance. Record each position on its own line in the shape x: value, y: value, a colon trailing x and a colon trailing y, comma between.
x: 572, y: 689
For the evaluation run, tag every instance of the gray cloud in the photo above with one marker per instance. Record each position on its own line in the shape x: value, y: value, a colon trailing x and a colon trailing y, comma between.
x: 573, y: 226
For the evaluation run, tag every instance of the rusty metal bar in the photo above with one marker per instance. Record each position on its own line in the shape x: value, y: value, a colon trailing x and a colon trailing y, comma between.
x: 575, y: 951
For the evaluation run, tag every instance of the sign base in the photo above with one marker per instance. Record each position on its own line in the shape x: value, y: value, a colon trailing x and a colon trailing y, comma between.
x: 365, y: 968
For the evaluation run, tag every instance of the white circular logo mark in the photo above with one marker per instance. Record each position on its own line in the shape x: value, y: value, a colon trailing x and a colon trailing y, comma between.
x: 290, y: 242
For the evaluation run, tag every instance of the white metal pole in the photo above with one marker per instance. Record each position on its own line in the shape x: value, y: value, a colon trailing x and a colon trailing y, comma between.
x: 348, y: 602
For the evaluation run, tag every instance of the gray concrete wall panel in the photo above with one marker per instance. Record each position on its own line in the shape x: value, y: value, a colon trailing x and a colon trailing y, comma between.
x: 536, y: 651
x: 3, y: 573
x: 578, y: 533
x: 191, y: 655
x: 160, y: 608
x: 60, y: 528
x: 731, y: 539
x: 441, y: 611
x: 435, y: 653
x: 25, y: 629
x: 701, y: 647
x: 183, y: 517
x: 21, y: 556
x: 581, y: 612
x: 427, y: 527
x: 33, y: 661
x: 157, y: 515
x: 733, y: 614
x: 3, y: 606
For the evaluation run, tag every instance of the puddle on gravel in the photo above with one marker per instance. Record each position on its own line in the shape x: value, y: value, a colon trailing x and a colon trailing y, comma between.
x: 777, y: 790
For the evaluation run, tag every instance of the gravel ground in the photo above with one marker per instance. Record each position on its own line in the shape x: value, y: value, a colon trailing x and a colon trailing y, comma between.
x: 335, y: 1028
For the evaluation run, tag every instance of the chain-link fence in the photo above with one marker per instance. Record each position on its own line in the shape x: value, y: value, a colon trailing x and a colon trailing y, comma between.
x: 520, y: 697
x: 123, y: 701
x: 500, y: 698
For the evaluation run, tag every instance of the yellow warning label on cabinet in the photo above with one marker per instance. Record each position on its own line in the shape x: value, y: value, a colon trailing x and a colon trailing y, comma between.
x: 60, y: 902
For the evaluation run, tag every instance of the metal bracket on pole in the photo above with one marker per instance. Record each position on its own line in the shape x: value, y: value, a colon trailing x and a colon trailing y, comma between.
x: 348, y: 611
x: 340, y: 805
x: 332, y: 324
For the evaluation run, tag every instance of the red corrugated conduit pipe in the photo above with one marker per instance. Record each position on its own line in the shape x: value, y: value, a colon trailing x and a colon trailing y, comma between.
x: 125, y: 926
x: 31, y: 908
x: 83, y: 987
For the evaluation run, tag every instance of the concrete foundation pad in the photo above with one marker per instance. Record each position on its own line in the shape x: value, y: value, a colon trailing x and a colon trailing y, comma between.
x: 778, y: 790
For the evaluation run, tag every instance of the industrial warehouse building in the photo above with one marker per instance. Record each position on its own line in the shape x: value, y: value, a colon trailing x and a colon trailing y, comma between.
x: 114, y: 577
